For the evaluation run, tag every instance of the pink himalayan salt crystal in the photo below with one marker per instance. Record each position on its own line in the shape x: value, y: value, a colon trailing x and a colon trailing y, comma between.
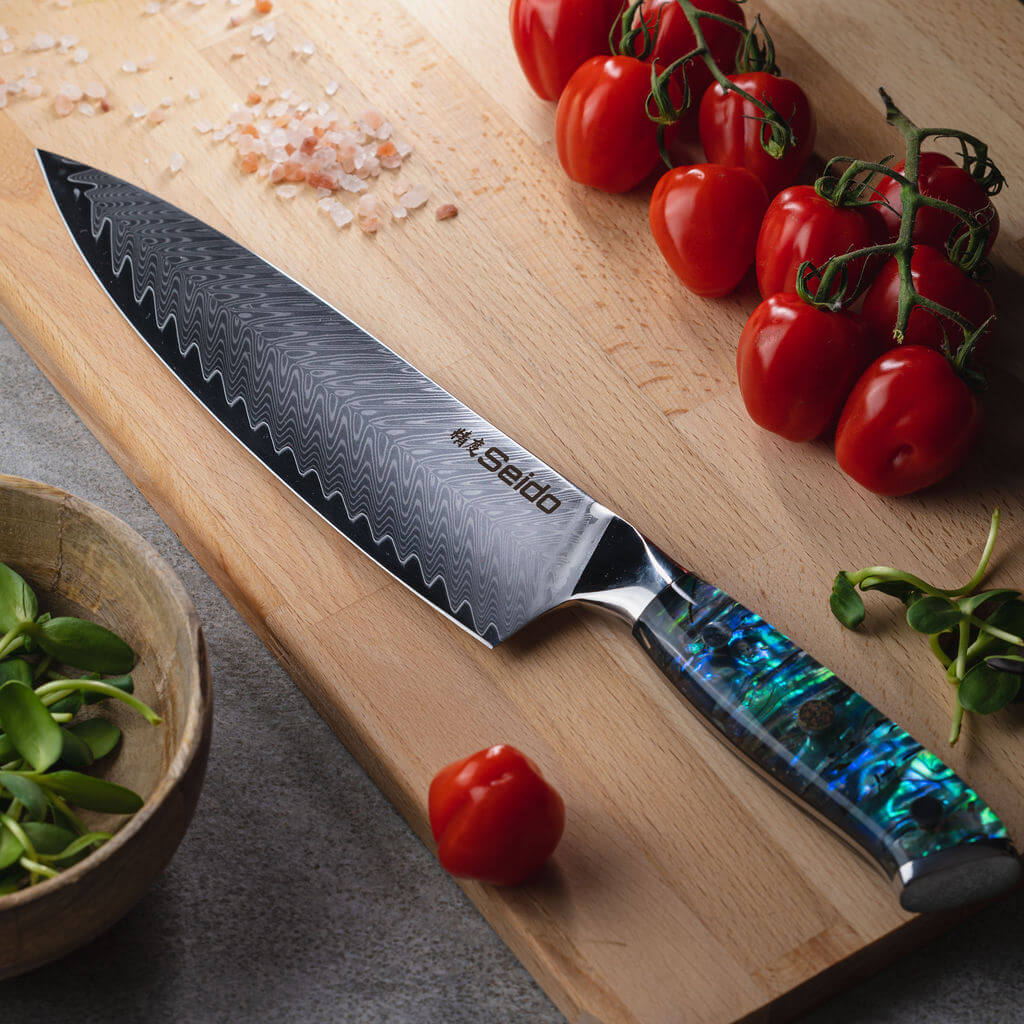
x: 446, y: 211
x: 95, y: 90
x: 138, y: 110
x: 156, y: 116
x: 66, y: 42
x: 33, y: 90
x: 42, y: 41
x: 286, y: 191
x: 235, y: 20
x: 153, y: 7
x: 203, y: 127
x: 332, y: 87
x: 71, y: 90
x: 167, y: 101
x: 8, y: 47
x: 176, y: 162
x: 129, y: 67
x: 414, y: 197
x: 399, y: 212
x: 370, y: 120
x: 193, y: 94
x: 341, y: 215
x: 146, y: 63
x: 86, y: 108
x: 238, y: 51
x: 63, y: 105
x: 81, y: 55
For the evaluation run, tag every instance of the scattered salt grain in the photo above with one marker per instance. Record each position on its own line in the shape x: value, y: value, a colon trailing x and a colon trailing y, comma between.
x: 146, y: 63
x: 4, y: 33
x: 8, y: 47
x: 156, y: 116
x: 33, y: 90
x: 65, y: 4
x: 287, y: 191
x: 86, y: 108
x: 129, y: 67
x: 138, y: 111
x: 446, y: 211
x: 176, y: 162
x: 238, y: 51
x: 63, y: 105
x: 263, y: 6
x: 66, y: 42
x: 95, y: 90
x: 414, y: 197
x: 81, y: 55
x: 399, y: 212
x: 235, y: 20
x: 341, y: 215
x: 332, y: 87
x: 198, y: 3
x: 263, y: 81
x: 42, y: 41
x: 71, y: 90
x: 203, y: 127
x: 153, y: 7
x: 193, y: 94
x: 167, y: 101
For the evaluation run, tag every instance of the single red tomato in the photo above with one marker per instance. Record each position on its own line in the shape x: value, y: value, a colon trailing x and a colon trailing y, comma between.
x: 908, y: 423
x: 937, y: 279
x: 797, y: 363
x: 674, y: 38
x: 554, y: 37
x: 493, y: 816
x: 801, y: 225
x: 940, y: 178
x: 731, y: 127
x: 705, y: 219
x: 605, y: 138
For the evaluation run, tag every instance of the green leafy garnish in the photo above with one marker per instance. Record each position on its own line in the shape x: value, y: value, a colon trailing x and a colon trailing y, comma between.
x: 43, y: 752
x: 978, y: 636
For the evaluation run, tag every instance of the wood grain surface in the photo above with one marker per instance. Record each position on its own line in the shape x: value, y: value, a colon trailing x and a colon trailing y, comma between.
x: 685, y: 888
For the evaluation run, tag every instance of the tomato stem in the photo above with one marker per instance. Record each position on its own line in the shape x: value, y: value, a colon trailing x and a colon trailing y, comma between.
x: 966, y: 250
x: 780, y: 135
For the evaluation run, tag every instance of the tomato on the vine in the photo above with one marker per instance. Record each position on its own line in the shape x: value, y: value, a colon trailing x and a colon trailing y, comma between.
x: 553, y: 38
x: 705, y: 219
x: 939, y: 177
x: 908, y: 423
x: 605, y: 138
x: 732, y: 128
x: 673, y: 38
x: 934, y: 278
x: 802, y: 225
x: 796, y: 364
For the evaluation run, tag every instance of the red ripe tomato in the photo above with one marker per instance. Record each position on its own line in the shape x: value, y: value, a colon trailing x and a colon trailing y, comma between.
x: 731, y: 131
x: 493, y: 817
x: 675, y: 39
x: 908, y: 423
x: 801, y: 225
x: 937, y: 279
x: 940, y: 178
x: 705, y: 220
x: 605, y: 138
x: 797, y: 363
x: 554, y: 37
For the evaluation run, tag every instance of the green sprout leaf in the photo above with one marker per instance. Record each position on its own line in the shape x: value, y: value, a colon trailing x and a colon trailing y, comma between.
x: 75, y: 753
x: 971, y: 604
x: 17, y: 600
x: 10, y: 848
x: 16, y: 668
x: 27, y: 792
x: 985, y: 690
x: 846, y: 603
x: 48, y: 839
x: 70, y: 705
x: 27, y: 723
x: 83, y: 644
x: 900, y: 589
x: 100, y: 734
x: 91, y: 793
x: 933, y: 614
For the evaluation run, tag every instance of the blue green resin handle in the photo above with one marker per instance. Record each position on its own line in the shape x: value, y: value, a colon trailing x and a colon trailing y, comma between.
x: 828, y: 747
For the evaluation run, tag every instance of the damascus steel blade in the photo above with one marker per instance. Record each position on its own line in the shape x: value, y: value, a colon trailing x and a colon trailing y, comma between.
x: 385, y: 455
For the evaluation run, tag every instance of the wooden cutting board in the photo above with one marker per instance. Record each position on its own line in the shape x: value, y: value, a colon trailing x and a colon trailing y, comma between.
x: 685, y: 888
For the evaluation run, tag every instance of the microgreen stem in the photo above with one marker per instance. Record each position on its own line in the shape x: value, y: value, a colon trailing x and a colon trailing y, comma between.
x: 63, y: 687
x: 935, y: 642
x: 994, y: 631
x: 986, y: 555
x: 12, y: 639
x: 958, y: 718
x: 19, y: 833
x: 61, y: 804
x: 35, y: 868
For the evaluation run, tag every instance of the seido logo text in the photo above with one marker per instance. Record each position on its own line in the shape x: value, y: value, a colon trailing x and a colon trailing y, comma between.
x: 494, y: 460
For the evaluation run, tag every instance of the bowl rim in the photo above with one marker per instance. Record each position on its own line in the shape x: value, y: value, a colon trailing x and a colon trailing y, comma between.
x: 198, y: 720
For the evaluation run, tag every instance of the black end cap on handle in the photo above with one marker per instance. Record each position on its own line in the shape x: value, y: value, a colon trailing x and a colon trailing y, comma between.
x: 958, y: 877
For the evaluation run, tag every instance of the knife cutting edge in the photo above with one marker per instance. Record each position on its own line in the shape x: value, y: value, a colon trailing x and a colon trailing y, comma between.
x: 492, y: 537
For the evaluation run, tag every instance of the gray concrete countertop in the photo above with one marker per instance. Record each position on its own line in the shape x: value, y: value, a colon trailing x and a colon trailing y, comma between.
x: 299, y: 894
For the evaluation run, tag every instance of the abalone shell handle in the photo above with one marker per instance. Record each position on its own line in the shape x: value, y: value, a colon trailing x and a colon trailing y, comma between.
x: 828, y: 748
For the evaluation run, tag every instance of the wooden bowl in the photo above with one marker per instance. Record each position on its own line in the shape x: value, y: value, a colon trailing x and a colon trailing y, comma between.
x: 83, y: 561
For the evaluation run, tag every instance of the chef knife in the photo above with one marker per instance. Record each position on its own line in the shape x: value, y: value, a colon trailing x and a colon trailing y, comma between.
x: 492, y: 537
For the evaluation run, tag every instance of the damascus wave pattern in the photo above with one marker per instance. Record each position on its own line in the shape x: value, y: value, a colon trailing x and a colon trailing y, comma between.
x: 387, y: 456
x: 868, y: 777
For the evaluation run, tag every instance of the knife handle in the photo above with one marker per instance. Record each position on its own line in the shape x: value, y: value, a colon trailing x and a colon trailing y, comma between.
x: 828, y: 748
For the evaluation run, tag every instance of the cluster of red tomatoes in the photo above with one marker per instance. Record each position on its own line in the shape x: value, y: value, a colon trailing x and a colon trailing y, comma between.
x: 802, y: 367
